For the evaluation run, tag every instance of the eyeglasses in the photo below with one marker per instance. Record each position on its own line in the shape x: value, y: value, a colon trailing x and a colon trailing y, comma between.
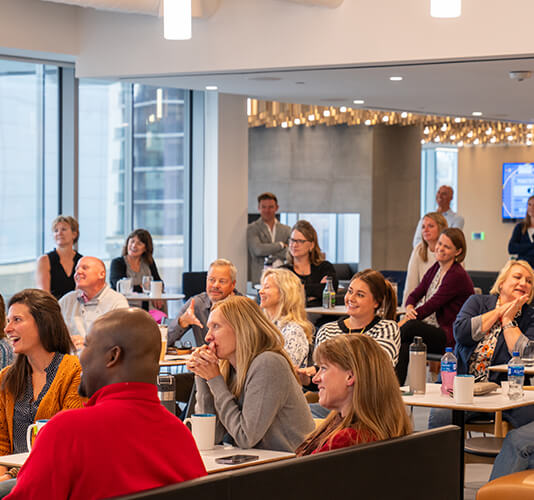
x: 297, y: 242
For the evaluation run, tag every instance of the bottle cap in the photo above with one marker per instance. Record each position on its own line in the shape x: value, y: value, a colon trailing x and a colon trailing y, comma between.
x: 448, y: 349
x: 515, y: 353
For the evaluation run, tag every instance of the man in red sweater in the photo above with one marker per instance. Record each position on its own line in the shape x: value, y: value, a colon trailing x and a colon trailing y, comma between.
x: 124, y: 440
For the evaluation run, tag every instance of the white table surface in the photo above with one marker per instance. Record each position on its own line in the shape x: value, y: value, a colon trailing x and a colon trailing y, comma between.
x: 494, y: 401
x: 264, y: 456
x: 141, y: 297
x: 208, y: 457
x: 175, y: 360
x: 336, y: 311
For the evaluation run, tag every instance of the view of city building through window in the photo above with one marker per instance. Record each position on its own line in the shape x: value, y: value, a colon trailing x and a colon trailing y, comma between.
x: 29, y: 168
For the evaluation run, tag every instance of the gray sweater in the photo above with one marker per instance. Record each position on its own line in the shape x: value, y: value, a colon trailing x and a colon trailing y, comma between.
x: 271, y: 413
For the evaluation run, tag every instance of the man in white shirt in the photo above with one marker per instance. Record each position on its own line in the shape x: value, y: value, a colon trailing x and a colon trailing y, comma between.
x: 92, y: 298
x: 265, y: 237
x: 443, y: 199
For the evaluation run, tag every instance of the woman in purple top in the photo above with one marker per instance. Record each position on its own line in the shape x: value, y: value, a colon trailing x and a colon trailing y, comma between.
x: 433, y: 306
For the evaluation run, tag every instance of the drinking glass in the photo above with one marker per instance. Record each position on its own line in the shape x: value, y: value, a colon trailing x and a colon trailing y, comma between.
x: 528, y: 354
x: 146, y: 281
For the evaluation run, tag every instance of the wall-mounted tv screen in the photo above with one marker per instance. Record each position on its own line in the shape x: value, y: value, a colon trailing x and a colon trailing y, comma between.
x: 517, y: 187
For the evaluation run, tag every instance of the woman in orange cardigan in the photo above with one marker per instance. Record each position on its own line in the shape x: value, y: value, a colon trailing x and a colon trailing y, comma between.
x: 44, y: 378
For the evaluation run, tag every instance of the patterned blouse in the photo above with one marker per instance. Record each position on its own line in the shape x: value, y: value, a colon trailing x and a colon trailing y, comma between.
x: 480, y: 360
x: 26, y: 407
x: 295, y: 342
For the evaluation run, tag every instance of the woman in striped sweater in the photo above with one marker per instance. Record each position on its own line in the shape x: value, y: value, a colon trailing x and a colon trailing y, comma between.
x: 371, y: 306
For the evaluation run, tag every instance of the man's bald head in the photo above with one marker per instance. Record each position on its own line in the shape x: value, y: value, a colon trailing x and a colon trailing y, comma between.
x: 122, y: 346
x: 90, y: 276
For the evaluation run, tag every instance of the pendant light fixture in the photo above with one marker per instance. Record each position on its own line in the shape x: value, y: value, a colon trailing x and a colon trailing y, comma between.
x: 445, y: 8
x: 177, y: 19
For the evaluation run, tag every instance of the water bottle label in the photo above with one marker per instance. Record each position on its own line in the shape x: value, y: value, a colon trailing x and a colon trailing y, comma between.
x: 516, y: 371
x: 448, y: 366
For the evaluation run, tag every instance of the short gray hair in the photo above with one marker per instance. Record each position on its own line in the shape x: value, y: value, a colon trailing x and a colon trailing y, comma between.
x: 225, y: 263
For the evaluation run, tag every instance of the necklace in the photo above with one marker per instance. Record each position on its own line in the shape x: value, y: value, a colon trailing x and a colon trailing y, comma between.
x: 362, y: 330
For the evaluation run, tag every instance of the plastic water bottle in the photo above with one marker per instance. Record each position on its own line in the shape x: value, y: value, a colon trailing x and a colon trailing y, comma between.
x: 329, y: 295
x: 448, y: 372
x: 516, y: 376
x: 417, y: 366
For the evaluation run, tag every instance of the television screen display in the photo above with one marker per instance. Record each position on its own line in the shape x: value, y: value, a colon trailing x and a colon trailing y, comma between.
x: 517, y: 187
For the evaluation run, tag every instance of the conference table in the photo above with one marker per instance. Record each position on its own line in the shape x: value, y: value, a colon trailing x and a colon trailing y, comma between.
x: 208, y: 457
x: 136, y: 297
x: 334, y: 311
x: 174, y: 360
x: 487, y: 403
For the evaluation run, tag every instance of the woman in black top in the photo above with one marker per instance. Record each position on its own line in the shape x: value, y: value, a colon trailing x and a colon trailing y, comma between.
x: 306, y: 261
x: 55, y: 270
x: 136, y: 262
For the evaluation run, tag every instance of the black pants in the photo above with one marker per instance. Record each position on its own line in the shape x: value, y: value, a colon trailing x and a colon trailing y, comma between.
x: 434, y: 338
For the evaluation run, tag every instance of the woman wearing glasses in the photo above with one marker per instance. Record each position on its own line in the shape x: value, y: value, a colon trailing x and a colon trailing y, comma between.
x: 307, y: 262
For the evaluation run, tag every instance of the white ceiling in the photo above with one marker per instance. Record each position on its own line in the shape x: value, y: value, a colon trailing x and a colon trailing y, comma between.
x: 454, y: 88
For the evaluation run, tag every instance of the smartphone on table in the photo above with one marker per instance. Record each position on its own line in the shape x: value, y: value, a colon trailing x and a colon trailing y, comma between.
x: 236, y: 459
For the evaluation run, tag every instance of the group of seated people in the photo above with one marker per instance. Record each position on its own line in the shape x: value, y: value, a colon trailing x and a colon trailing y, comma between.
x: 251, y: 361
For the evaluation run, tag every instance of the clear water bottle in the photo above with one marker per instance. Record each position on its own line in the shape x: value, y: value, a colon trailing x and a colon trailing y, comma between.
x: 329, y: 294
x: 448, y: 371
x: 516, y: 376
x: 417, y: 366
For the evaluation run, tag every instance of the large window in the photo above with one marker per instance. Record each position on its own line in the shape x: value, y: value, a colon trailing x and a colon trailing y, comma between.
x: 439, y: 167
x: 132, y: 173
x: 338, y: 234
x: 29, y: 160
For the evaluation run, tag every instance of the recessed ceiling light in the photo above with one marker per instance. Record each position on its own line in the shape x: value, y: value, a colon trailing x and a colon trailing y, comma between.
x: 423, y: 141
x: 460, y: 144
x: 529, y: 126
x: 453, y: 137
x: 476, y: 141
x: 385, y: 118
x: 326, y: 113
x: 510, y: 137
x: 457, y: 120
x: 508, y: 129
x: 284, y: 124
x: 404, y: 114
x: 444, y: 127
x: 477, y: 113
x: 493, y: 140
x: 212, y: 87
x: 297, y: 121
x: 367, y: 122
x: 343, y: 109
x: 396, y: 78
x: 311, y: 117
x: 358, y: 101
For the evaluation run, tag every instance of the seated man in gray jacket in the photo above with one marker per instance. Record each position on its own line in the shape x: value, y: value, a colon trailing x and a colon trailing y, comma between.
x: 220, y: 283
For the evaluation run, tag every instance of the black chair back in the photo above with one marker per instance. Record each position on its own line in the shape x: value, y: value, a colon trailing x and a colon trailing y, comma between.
x: 193, y: 283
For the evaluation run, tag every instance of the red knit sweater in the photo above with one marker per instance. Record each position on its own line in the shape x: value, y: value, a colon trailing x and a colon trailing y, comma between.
x: 122, y: 442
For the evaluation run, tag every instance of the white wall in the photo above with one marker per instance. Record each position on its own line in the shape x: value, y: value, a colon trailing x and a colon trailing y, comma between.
x: 249, y: 34
x: 480, y: 200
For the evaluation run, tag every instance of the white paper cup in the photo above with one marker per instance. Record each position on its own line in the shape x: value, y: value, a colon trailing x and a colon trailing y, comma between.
x: 156, y: 289
x: 32, y: 431
x: 463, y: 389
x: 203, y: 429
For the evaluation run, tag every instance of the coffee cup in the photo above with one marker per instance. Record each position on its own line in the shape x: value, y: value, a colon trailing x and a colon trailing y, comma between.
x: 163, y: 330
x: 463, y: 389
x: 32, y: 431
x: 203, y: 430
x: 156, y: 289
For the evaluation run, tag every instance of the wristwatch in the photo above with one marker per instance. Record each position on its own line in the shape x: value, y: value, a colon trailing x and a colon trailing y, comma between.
x: 512, y: 324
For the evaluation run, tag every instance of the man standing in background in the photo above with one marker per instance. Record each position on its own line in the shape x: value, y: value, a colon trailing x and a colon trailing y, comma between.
x: 443, y: 199
x: 265, y: 237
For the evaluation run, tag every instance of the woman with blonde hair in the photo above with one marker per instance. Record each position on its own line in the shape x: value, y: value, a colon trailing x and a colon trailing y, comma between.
x: 245, y: 377
x: 55, y: 270
x: 357, y: 383
x: 522, y: 240
x: 489, y: 328
x: 307, y: 262
x: 282, y: 300
x: 423, y: 257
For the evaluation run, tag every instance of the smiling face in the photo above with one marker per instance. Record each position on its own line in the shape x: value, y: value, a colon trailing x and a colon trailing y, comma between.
x: 22, y: 330
x: 269, y: 293
x: 90, y: 274
x: 219, y: 283
x: 299, y: 246
x: 516, y: 284
x: 444, y: 198
x: 136, y: 248
x: 267, y: 210
x: 359, y: 300
x: 530, y: 209
x: 221, y: 336
x: 430, y: 230
x: 335, y: 387
x: 445, y: 250
x: 64, y: 236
